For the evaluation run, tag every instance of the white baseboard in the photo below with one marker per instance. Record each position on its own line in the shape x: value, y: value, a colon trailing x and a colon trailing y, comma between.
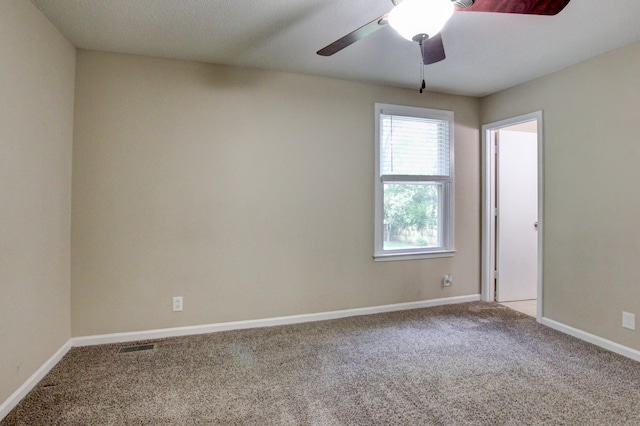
x: 268, y: 322
x: 17, y: 396
x: 592, y: 338
x: 32, y: 381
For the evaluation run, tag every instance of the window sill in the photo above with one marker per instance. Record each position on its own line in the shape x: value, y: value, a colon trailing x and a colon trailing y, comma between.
x: 390, y: 257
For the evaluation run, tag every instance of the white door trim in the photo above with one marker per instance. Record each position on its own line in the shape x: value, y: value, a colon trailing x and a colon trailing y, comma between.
x: 488, y: 203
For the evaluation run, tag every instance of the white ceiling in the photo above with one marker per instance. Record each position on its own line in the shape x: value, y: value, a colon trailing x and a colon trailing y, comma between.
x: 486, y: 52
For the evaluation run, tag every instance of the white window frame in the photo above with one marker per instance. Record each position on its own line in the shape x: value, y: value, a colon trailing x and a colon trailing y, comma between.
x: 447, y: 247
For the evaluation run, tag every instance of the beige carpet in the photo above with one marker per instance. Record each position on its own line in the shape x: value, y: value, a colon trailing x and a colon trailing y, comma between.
x: 470, y: 364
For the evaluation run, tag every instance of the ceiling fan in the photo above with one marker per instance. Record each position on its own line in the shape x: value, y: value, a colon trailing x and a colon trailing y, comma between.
x: 422, y: 20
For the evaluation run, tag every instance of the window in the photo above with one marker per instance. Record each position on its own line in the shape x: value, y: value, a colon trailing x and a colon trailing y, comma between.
x: 414, y: 183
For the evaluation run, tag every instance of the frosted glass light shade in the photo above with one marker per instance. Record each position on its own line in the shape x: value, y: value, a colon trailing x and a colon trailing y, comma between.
x: 413, y: 17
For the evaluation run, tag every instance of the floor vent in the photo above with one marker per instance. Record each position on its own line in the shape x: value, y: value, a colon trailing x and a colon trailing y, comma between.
x: 137, y: 348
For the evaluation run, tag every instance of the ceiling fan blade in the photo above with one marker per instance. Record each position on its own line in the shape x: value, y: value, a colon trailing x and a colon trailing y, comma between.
x: 433, y: 50
x: 354, y: 36
x: 527, y: 7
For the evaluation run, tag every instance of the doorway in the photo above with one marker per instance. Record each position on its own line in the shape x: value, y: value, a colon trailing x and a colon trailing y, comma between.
x: 512, y: 213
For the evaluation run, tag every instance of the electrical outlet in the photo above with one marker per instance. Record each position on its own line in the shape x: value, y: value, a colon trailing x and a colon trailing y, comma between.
x: 629, y: 320
x: 177, y: 304
x: 447, y: 281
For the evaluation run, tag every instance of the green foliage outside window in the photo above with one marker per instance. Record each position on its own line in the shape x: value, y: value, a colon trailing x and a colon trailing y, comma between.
x: 411, y: 215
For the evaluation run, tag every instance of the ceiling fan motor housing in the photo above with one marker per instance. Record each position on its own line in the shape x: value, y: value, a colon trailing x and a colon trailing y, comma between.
x: 462, y: 3
x: 458, y: 3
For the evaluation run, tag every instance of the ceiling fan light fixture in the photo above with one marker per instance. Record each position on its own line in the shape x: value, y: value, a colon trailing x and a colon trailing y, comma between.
x: 413, y: 17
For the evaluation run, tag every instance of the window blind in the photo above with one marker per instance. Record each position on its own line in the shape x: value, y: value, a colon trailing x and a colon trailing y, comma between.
x: 412, y: 146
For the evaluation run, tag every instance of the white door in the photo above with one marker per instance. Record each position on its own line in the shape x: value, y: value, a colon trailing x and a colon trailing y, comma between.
x: 517, y: 215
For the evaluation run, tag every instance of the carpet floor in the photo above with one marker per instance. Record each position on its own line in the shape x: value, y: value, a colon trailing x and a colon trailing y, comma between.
x: 469, y: 364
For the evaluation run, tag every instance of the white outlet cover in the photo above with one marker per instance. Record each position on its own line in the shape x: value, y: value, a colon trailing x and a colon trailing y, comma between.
x: 177, y: 304
x: 629, y: 320
x: 446, y: 280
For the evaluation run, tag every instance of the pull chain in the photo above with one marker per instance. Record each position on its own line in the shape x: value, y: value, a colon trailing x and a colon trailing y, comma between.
x: 420, y: 39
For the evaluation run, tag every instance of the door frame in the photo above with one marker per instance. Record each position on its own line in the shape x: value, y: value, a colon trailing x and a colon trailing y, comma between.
x: 489, y: 199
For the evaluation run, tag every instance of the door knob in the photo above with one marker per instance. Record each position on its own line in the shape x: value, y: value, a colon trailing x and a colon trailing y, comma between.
x: 535, y: 225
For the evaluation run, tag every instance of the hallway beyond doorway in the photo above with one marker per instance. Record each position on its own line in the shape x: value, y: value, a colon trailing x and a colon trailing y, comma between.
x: 528, y: 307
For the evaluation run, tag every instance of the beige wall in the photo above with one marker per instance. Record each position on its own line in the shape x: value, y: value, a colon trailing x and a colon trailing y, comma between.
x: 36, y: 124
x: 249, y: 193
x: 592, y: 205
